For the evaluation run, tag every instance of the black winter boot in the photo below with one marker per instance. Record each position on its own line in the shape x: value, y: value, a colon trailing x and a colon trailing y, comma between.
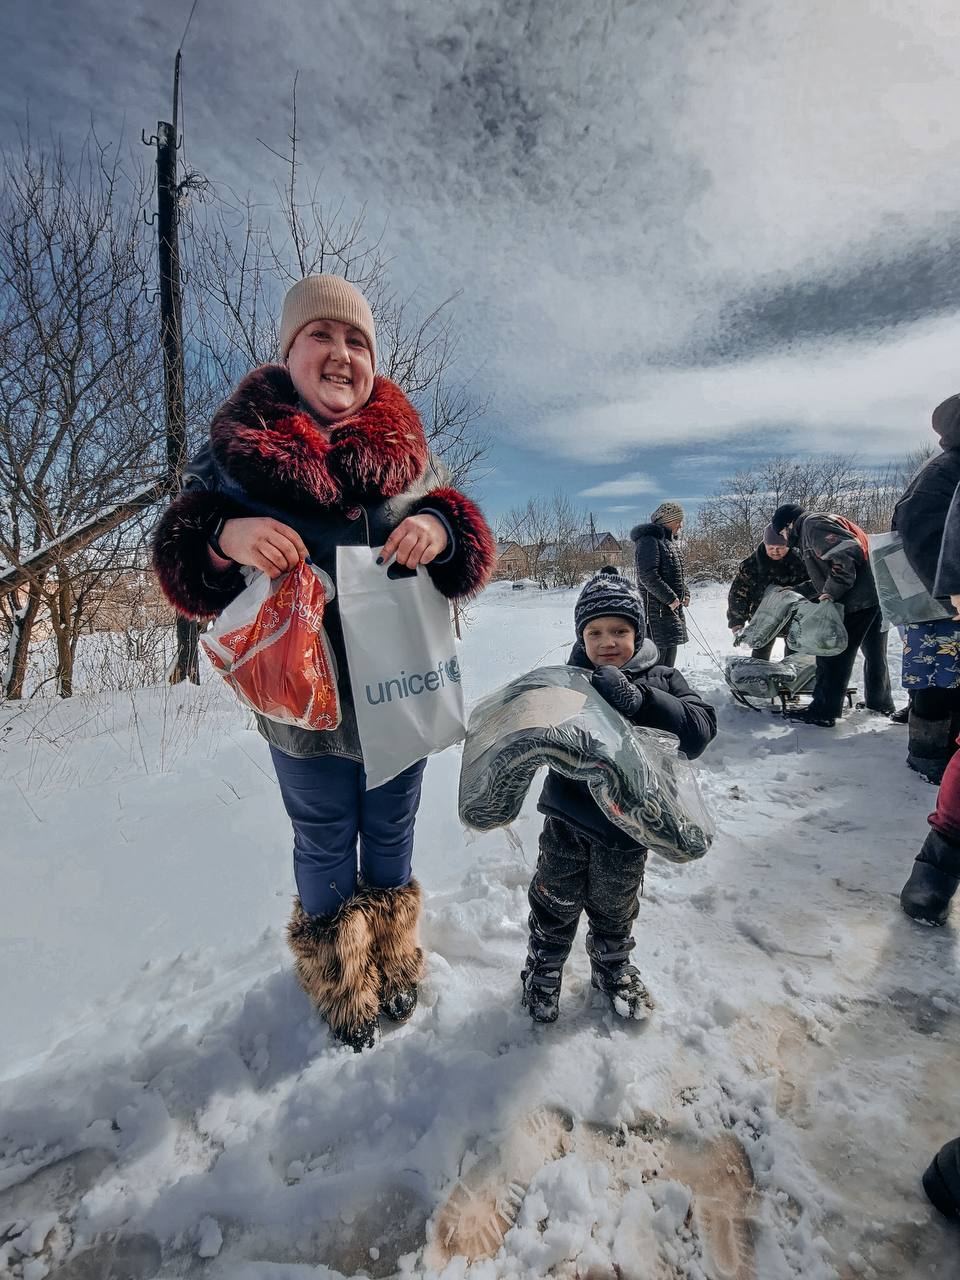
x: 541, y: 977
x: 902, y: 716
x: 941, y: 1181
x: 933, y: 880
x: 929, y: 747
x: 612, y: 973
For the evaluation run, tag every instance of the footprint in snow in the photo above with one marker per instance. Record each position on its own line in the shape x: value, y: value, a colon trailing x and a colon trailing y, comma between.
x: 721, y: 1179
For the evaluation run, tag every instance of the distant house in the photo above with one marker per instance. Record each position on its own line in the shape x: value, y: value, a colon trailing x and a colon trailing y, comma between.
x: 511, y: 561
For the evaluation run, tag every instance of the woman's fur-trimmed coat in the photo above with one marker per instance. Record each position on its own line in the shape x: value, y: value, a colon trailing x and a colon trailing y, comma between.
x: 267, y: 456
x: 660, y: 577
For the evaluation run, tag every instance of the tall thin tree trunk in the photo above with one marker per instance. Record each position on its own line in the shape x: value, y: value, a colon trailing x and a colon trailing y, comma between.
x: 61, y: 611
x: 24, y: 619
x: 186, y: 664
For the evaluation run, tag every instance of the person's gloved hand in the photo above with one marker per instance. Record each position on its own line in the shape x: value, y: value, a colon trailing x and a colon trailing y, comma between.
x: 614, y: 687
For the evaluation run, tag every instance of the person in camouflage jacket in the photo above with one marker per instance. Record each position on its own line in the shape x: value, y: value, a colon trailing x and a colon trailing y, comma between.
x: 775, y: 564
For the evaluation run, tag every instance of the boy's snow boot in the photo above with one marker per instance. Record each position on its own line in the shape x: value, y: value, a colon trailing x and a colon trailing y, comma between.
x: 540, y: 978
x: 612, y: 973
x: 395, y: 915
x: 337, y: 969
x: 933, y: 880
x: 929, y: 747
x: 941, y: 1181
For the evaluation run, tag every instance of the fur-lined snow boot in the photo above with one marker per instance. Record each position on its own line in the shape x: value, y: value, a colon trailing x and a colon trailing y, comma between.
x: 933, y: 881
x: 612, y: 973
x: 395, y: 919
x: 336, y: 967
x: 941, y: 1181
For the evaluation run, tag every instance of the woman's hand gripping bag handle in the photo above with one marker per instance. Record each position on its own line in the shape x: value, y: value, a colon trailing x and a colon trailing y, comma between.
x: 270, y: 646
x: 404, y: 668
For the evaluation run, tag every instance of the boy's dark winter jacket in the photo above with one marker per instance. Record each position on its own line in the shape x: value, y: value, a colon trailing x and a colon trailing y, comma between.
x: 267, y: 457
x: 660, y: 577
x: 755, y: 574
x: 836, y: 562
x: 921, y: 513
x: 669, y: 704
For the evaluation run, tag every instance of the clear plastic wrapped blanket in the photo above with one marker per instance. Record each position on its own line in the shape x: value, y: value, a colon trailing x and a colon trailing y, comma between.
x: 817, y: 628
x: 554, y: 717
x: 810, y: 627
x: 755, y: 678
x: 772, y: 616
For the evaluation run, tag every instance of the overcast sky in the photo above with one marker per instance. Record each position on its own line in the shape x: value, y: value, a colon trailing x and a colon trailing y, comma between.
x: 681, y: 233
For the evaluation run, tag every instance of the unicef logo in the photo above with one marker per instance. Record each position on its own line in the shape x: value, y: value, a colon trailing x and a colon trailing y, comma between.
x: 452, y: 668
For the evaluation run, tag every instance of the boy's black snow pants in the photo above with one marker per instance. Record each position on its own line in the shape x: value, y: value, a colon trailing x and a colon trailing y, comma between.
x: 575, y: 874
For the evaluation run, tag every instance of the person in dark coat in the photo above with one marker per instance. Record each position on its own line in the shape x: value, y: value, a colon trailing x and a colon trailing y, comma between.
x: 587, y: 862
x: 834, y: 551
x: 774, y: 563
x: 941, y: 1181
x: 930, y: 671
x: 661, y: 579
x: 306, y: 456
x: 935, y: 876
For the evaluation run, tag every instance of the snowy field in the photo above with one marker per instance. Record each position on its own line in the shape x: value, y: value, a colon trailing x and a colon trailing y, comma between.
x: 171, y: 1106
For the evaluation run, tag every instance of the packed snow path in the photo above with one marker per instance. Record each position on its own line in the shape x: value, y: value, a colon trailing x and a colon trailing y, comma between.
x: 171, y: 1106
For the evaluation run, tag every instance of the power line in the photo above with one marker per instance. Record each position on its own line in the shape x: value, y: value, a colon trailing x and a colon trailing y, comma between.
x: 193, y: 8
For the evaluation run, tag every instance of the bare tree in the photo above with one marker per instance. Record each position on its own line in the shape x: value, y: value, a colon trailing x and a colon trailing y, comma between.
x: 78, y: 374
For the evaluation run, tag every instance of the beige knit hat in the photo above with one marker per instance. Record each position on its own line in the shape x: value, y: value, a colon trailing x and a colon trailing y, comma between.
x: 325, y: 298
x: 666, y: 512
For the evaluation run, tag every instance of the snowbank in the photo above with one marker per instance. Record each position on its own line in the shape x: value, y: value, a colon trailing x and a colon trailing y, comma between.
x: 171, y: 1105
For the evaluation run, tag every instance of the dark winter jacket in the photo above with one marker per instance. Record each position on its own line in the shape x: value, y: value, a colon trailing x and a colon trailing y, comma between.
x: 836, y: 561
x: 947, y: 581
x: 670, y: 704
x: 661, y: 580
x: 758, y: 572
x: 266, y: 456
x: 921, y: 513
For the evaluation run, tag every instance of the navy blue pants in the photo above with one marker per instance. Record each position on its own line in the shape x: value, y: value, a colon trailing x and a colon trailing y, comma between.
x: 331, y: 812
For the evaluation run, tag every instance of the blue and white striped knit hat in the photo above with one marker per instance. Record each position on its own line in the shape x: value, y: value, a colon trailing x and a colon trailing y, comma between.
x: 609, y: 594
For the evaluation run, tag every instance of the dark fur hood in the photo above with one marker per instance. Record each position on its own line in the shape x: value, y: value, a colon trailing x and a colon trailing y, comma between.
x: 264, y: 439
x: 650, y: 531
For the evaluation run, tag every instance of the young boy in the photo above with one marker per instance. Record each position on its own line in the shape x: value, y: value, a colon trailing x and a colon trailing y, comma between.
x: 586, y: 862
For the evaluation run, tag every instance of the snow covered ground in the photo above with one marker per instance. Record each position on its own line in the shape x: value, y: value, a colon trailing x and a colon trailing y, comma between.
x: 171, y: 1106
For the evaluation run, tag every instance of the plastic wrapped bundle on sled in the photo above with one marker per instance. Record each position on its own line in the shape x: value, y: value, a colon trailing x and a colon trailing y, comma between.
x: 817, y: 628
x: 773, y: 615
x: 755, y: 678
x: 554, y: 717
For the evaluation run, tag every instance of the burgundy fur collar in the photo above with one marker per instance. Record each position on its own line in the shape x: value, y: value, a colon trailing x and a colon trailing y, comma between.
x: 265, y: 441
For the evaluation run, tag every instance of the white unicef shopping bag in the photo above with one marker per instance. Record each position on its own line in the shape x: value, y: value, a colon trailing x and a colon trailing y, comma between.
x: 404, y: 669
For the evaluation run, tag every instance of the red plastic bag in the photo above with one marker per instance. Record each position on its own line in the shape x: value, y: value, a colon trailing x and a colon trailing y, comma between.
x: 271, y: 648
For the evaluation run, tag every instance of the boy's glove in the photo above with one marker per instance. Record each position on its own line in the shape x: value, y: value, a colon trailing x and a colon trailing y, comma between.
x: 614, y: 687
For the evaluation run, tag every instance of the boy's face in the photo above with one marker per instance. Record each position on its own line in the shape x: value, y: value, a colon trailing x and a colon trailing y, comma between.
x: 609, y: 642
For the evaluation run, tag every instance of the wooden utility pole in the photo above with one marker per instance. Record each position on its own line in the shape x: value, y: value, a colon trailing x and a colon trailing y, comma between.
x: 185, y: 665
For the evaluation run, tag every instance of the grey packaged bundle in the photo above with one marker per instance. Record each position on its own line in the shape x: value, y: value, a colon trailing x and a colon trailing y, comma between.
x: 773, y: 614
x: 755, y: 678
x: 554, y: 717
x: 817, y: 628
x: 904, y: 600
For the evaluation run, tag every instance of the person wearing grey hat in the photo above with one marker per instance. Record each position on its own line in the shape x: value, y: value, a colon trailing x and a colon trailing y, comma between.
x: 306, y: 456
x: 587, y: 863
x: 661, y: 578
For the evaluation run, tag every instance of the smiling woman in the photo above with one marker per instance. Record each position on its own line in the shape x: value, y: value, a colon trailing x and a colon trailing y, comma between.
x: 306, y: 456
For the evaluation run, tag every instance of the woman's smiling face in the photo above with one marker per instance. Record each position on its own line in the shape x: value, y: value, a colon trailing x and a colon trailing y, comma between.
x: 332, y: 369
